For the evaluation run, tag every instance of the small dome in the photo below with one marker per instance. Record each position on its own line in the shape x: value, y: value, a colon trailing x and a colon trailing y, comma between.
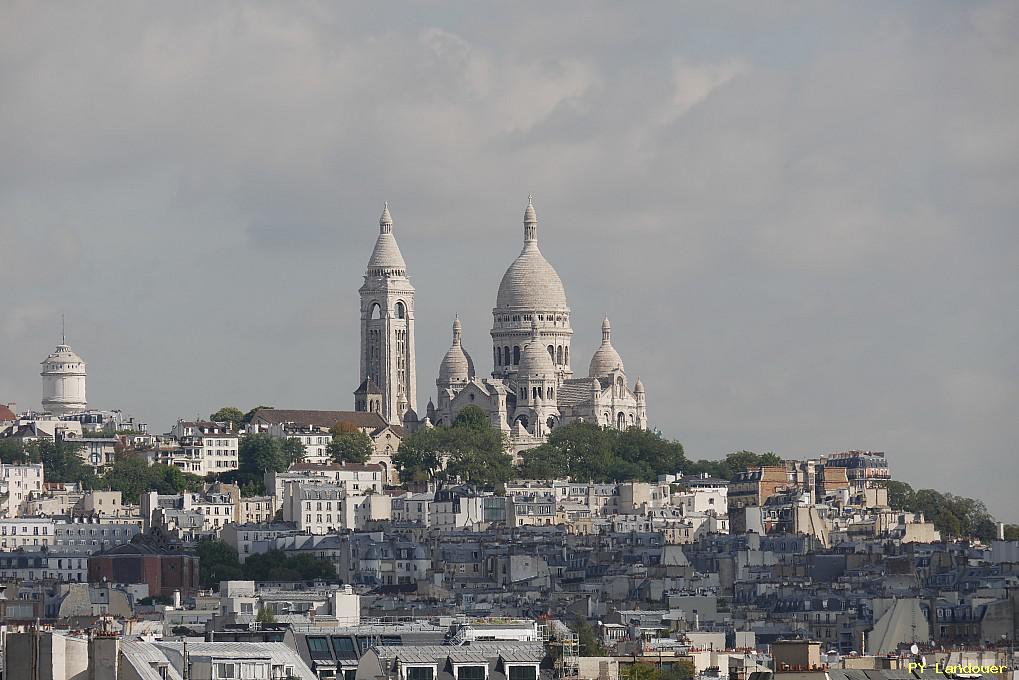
x: 534, y: 359
x: 386, y: 254
x: 63, y: 354
x: 606, y: 359
x: 456, y: 366
x: 638, y: 388
x: 531, y: 283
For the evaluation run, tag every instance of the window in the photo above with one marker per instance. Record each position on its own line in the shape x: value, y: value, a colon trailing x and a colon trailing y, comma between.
x: 318, y: 647
x: 523, y: 673
x: 470, y: 673
x: 344, y: 648
x: 516, y: 354
x: 420, y: 673
x: 401, y: 311
x: 226, y: 670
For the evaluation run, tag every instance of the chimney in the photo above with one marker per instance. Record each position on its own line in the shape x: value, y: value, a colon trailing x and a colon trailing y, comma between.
x: 104, y: 656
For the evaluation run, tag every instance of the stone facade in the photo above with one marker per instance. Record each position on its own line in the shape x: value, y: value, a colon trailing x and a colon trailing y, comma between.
x: 532, y: 389
x: 388, y: 379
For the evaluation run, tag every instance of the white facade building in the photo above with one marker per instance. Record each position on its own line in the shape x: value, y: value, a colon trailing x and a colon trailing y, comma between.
x: 388, y: 376
x: 19, y: 484
x: 533, y: 389
x: 63, y: 382
x: 205, y: 448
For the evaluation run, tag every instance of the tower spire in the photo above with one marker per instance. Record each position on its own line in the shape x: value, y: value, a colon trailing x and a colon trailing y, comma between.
x: 63, y: 331
x: 386, y: 220
x: 530, y: 221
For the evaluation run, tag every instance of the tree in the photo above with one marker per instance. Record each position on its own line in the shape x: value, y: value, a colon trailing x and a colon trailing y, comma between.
x: 473, y: 450
x: 640, y: 670
x: 229, y: 414
x: 265, y: 615
x: 14, y: 452
x: 589, y: 452
x: 682, y: 669
x: 587, y: 640
x: 260, y: 452
x: 418, y: 458
x: 131, y: 475
x: 349, y: 444
x: 62, y: 461
x: 217, y: 562
x: 543, y: 462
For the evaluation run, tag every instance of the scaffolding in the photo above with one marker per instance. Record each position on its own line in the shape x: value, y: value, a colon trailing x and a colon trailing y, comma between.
x: 564, y: 646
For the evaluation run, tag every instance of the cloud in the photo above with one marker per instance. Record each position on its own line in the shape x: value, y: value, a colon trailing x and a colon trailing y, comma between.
x: 799, y: 218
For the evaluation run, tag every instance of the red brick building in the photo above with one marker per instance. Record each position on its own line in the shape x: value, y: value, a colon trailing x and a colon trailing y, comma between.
x: 164, y: 571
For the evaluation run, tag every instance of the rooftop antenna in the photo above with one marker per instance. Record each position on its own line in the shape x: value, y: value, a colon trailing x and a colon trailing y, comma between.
x: 63, y: 335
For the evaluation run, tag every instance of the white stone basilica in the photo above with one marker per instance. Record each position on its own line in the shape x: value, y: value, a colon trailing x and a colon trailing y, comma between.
x: 532, y: 388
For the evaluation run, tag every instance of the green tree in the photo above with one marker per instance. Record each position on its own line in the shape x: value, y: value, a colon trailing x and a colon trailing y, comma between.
x: 682, y: 669
x: 62, y: 460
x: 418, y: 458
x: 14, y: 452
x: 589, y: 452
x: 474, y: 452
x: 258, y: 453
x: 229, y: 414
x: 217, y: 562
x: 349, y: 444
x: 543, y: 462
x: 587, y: 640
x: 131, y: 475
x: 639, y: 671
x: 900, y: 495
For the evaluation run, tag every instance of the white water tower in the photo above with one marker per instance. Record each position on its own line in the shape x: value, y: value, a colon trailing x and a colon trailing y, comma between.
x: 63, y: 382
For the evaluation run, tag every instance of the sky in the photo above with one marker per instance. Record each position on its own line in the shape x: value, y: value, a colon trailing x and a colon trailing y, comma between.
x: 801, y: 218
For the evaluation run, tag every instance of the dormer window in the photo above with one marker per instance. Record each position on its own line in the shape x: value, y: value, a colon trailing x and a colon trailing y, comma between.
x: 471, y: 672
x: 419, y: 673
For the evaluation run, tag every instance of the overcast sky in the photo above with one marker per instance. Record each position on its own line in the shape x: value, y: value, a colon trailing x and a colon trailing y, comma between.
x: 801, y: 218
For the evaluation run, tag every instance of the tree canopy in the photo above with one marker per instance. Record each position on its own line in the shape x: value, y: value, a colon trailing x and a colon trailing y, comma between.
x: 953, y: 516
x: 132, y: 475
x: 349, y: 444
x: 734, y: 463
x: 258, y: 453
x: 219, y: 562
x: 473, y: 450
x: 589, y: 452
x: 62, y: 459
x: 229, y: 414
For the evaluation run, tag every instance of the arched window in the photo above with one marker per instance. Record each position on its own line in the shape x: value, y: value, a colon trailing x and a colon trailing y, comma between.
x: 534, y: 393
x: 548, y: 393
x: 551, y: 352
x: 401, y: 311
x: 566, y: 356
x: 559, y: 355
x: 505, y: 356
x: 376, y: 311
x: 621, y: 420
x: 498, y: 356
x: 516, y: 354
x: 550, y: 422
x: 607, y: 419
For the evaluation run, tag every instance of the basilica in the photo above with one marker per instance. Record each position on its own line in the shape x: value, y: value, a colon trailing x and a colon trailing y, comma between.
x: 532, y: 388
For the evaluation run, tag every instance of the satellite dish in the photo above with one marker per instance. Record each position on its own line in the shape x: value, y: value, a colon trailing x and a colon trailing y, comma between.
x: 913, y: 649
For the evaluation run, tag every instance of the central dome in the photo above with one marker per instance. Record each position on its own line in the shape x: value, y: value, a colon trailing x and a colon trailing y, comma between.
x: 531, y: 283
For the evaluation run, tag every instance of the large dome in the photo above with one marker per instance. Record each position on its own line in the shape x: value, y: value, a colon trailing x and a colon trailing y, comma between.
x: 531, y: 283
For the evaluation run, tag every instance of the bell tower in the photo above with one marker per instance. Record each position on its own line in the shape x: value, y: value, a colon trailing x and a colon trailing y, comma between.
x: 387, y: 329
